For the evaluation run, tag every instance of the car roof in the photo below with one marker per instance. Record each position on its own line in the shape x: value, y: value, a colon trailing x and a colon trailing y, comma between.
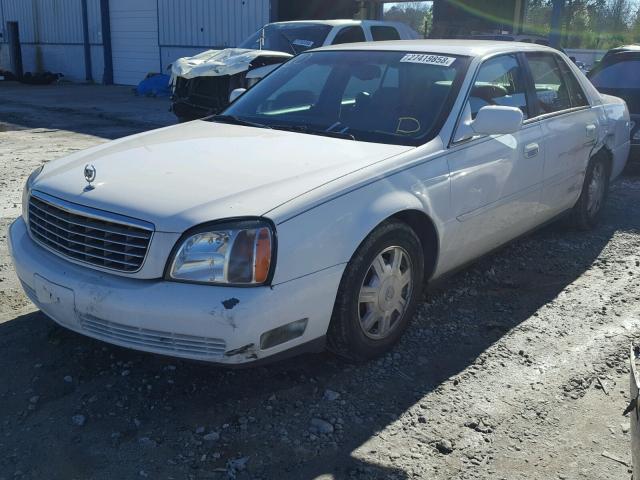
x: 626, y: 48
x: 337, y: 23
x: 471, y: 48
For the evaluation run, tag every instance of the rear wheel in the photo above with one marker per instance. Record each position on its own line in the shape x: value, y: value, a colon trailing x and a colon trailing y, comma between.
x: 588, y: 210
x: 378, y: 293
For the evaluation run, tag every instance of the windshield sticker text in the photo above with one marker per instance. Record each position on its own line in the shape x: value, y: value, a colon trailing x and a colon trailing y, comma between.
x: 427, y: 59
x: 303, y: 43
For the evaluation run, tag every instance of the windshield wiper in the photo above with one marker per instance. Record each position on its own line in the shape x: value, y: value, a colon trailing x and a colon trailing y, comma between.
x: 237, y: 121
x: 313, y: 131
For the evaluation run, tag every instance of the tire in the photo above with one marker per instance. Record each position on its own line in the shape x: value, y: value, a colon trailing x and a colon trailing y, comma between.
x: 348, y: 336
x: 588, y: 210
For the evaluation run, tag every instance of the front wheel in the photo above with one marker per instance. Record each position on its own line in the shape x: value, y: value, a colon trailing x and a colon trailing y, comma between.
x: 588, y: 210
x: 378, y: 293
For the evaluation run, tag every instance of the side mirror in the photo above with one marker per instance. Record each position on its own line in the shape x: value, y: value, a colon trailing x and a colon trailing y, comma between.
x: 235, y: 93
x: 497, y: 120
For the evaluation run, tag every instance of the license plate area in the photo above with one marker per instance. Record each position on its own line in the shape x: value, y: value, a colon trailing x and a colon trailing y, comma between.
x: 56, y: 301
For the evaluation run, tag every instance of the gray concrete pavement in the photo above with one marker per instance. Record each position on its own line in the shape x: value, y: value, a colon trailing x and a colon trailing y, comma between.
x: 115, y: 103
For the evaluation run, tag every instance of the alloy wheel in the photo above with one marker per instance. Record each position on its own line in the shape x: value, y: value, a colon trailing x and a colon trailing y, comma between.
x: 385, y: 293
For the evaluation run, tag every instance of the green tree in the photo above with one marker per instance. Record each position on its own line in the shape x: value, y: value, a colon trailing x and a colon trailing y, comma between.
x: 417, y: 15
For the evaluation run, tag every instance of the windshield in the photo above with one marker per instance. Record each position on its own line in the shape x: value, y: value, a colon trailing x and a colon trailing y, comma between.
x: 372, y: 96
x: 291, y: 38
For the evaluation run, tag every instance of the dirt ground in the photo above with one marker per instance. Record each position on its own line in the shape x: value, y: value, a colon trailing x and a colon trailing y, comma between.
x: 515, y: 368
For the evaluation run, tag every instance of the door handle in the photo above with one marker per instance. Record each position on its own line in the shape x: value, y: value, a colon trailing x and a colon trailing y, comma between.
x: 531, y: 150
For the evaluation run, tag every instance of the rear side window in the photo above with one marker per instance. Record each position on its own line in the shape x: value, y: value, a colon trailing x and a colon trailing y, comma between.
x: 381, y: 33
x: 500, y: 81
x: 349, y: 35
x: 552, y: 90
x: 576, y: 94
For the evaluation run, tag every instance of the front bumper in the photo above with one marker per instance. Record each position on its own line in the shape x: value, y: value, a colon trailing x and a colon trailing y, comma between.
x: 200, y: 322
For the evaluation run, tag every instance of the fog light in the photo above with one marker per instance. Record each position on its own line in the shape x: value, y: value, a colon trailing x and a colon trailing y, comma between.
x: 283, y: 334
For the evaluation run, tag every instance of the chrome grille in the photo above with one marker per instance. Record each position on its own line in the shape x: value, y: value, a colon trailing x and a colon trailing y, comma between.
x: 153, y: 340
x: 104, y: 243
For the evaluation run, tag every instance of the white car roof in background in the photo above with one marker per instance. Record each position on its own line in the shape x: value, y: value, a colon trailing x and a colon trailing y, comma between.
x: 338, y: 23
x: 471, y: 48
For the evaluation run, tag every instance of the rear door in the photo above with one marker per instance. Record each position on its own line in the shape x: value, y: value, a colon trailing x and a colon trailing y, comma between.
x: 569, y: 127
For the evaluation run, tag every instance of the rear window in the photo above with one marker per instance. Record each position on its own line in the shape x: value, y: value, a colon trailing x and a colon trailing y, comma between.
x: 381, y: 33
x: 622, y: 74
x: 349, y: 35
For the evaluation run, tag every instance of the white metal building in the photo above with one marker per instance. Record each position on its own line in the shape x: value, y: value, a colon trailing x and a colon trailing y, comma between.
x: 144, y: 35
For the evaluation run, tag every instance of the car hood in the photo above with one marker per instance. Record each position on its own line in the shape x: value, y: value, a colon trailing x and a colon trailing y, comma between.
x: 180, y: 176
x: 215, y: 63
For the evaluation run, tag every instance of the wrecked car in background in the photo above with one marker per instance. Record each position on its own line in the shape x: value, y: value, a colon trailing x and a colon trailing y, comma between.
x: 202, y: 84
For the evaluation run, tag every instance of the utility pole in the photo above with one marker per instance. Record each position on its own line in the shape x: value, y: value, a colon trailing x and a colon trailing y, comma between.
x: 556, y: 23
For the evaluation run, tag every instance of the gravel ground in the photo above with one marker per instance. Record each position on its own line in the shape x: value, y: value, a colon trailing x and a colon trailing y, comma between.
x: 512, y: 369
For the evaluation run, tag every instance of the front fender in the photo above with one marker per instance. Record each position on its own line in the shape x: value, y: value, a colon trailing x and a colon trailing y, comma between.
x: 331, y: 232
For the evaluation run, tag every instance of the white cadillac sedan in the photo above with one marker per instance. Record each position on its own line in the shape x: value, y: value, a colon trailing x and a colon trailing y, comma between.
x: 317, y: 206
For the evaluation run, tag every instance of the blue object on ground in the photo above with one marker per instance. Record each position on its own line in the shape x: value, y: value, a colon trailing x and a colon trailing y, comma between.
x: 154, y: 85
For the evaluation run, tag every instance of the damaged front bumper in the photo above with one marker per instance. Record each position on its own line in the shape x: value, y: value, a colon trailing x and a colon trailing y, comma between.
x: 199, y: 97
x: 200, y: 322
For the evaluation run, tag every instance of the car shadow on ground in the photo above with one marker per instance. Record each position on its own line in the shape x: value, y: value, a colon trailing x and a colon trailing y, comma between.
x: 99, y: 124
x: 125, y: 396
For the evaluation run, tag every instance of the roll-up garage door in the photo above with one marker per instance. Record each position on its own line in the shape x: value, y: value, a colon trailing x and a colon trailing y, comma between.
x: 134, y: 39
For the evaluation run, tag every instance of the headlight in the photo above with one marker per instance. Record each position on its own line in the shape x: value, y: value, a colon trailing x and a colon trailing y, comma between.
x: 26, y: 191
x: 237, y: 253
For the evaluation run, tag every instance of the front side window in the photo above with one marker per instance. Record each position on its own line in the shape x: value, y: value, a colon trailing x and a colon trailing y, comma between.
x: 353, y: 34
x: 500, y: 81
x: 372, y: 96
x: 552, y: 91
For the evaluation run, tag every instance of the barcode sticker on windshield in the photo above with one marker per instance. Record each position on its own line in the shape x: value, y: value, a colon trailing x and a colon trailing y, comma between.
x: 303, y: 43
x: 427, y: 59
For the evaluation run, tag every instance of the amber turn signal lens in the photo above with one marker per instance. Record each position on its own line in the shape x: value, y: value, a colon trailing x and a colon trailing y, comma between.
x: 263, y: 255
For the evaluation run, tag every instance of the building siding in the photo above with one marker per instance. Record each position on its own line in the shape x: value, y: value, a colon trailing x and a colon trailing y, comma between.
x: 51, y: 32
x: 46, y: 21
x: 209, y: 23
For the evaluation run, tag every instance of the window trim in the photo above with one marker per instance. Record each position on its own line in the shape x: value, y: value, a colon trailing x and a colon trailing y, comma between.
x: 517, y: 55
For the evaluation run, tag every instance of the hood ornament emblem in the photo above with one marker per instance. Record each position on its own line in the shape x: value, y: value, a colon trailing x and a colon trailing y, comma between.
x: 89, y: 176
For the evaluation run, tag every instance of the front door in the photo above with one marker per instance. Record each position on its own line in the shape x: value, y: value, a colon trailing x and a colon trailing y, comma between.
x: 495, y: 180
